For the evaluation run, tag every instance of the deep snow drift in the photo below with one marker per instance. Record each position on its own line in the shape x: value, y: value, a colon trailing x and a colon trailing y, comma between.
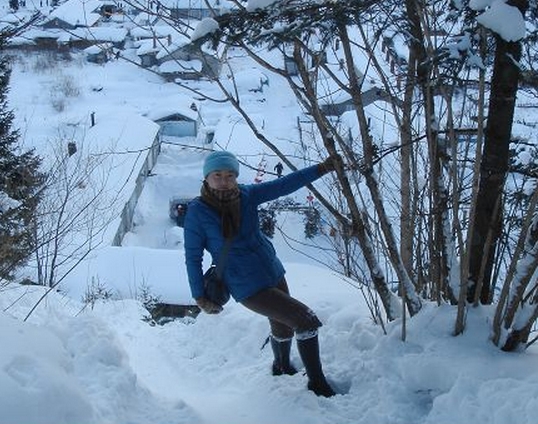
x: 105, y: 364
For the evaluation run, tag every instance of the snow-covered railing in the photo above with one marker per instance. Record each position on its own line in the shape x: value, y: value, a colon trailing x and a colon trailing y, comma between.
x: 128, y: 210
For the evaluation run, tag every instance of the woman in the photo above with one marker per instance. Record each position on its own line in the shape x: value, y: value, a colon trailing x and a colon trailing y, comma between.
x: 253, y: 273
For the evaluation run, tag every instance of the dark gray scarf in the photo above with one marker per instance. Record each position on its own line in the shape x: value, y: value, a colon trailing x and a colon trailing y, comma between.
x: 228, y: 204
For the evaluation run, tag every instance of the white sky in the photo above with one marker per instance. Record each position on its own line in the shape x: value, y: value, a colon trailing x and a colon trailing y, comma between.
x: 68, y: 364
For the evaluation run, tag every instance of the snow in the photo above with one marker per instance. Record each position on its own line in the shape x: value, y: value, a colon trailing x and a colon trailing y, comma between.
x: 98, y: 49
x: 7, y: 203
x: 77, y: 12
x: 107, y: 365
x: 505, y: 20
x: 171, y: 66
x: 116, y: 35
x: 204, y: 27
x: 103, y: 363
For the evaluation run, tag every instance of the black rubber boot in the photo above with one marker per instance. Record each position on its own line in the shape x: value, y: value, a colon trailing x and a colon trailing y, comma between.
x: 281, y: 364
x: 309, y: 352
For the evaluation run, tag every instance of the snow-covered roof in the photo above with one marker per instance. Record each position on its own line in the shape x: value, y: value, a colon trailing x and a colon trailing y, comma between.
x: 29, y: 37
x: 34, y: 33
x: 336, y: 97
x: 10, y: 18
x: 96, y: 49
x: 77, y: 12
x: 193, y: 4
x: 100, y: 34
x: 172, y: 66
x: 161, y: 39
x: 21, y: 41
x: 147, y: 46
x: 169, y: 50
x: 154, y: 31
x: 164, y: 112
x: 96, y: 34
x: 123, y: 139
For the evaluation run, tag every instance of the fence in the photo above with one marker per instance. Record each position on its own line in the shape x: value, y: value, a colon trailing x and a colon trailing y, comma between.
x: 129, y: 208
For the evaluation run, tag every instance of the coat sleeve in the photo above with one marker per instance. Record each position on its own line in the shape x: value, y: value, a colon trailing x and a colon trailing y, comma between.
x: 194, y: 243
x: 283, y: 186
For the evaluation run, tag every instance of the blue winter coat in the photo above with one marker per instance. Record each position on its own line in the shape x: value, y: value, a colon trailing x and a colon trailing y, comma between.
x: 252, y: 264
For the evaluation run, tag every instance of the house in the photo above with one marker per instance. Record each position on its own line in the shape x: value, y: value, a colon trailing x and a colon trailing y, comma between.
x: 74, y: 14
x: 148, y: 49
x: 99, y: 53
x: 340, y: 103
x: 147, y: 59
x: 73, y: 25
x: 39, y: 39
x: 84, y: 37
x: 290, y: 66
x: 172, y: 51
x: 193, y: 9
x: 109, y: 8
x: 206, y: 64
x: 176, y: 123
x: 181, y: 69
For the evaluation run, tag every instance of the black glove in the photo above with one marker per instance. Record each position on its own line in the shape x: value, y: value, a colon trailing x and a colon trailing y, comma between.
x: 330, y: 164
x: 207, y: 306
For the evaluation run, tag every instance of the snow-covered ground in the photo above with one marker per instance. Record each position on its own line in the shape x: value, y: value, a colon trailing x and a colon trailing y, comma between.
x: 74, y: 363
x: 177, y: 173
x: 107, y: 365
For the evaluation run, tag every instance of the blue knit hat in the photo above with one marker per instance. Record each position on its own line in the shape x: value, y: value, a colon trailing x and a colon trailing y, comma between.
x: 221, y: 161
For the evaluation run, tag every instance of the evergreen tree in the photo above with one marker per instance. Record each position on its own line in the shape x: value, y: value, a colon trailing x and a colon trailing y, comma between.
x: 20, y: 182
x: 312, y: 223
x: 14, y: 5
x: 267, y: 222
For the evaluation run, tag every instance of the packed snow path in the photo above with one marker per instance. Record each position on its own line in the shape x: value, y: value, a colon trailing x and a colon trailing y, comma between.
x: 217, y: 367
x: 176, y: 173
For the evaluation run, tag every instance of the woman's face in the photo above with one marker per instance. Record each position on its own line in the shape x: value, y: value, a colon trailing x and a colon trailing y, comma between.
x: 222, y: 180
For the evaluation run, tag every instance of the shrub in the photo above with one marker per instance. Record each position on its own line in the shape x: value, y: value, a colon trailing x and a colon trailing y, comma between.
x: 95, y: 292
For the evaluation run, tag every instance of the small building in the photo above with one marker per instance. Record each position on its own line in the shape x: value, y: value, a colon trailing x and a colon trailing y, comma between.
x: 148, y: 48
x: 175, y: 123
x: 181, y: 69
x: 98, y: 35
x: 109, y: 8
x: 174, y: 53
x: 74, y: 14
x: 44, y: 40
x: 57, y: 23
x: 193, y: 9
x: 99, y: 53
x: 290, y: 66
x: 338, y: 104
x: 209, y: 66
x: 148, y: 58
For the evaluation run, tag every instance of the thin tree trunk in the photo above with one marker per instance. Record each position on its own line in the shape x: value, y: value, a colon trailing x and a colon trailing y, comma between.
x: 357, y: 228
x: 494, y: 166
x: 464, y: 269
x: 410, y: 295
x: 515, y: 289
x: 438, y: 193
x: 407, y: 226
